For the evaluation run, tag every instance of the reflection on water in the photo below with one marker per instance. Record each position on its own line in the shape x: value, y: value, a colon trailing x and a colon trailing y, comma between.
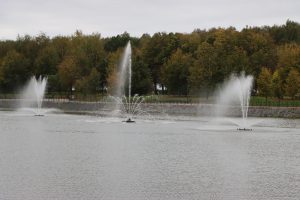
x: 83, y: 157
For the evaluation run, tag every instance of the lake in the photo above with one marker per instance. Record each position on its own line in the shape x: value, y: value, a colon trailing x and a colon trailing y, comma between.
x: 64, y: 157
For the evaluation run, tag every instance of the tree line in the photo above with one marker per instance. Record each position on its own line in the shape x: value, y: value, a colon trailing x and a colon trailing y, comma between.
x: 167, y: 63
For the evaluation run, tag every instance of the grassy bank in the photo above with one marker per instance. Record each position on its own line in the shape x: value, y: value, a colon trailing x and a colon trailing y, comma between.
x: 261, y: 101
x: 255, y: 100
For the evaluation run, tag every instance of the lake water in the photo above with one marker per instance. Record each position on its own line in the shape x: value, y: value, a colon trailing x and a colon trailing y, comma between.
x: 66, y: 157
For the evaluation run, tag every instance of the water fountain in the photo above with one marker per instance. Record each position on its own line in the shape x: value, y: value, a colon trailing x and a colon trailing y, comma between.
x: 33, y: 94
x: 237, y: 90
x: 128, y: 105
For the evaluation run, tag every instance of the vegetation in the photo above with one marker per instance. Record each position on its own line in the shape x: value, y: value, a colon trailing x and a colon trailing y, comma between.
x: 172, y: 64
x: 264, y: 83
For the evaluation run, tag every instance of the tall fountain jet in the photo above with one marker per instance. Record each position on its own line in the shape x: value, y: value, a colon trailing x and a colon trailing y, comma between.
x: 125, y: 67
x: 34, y: 93
x: 129, y: 105
x: 40, y: 89
x: 236, y: 90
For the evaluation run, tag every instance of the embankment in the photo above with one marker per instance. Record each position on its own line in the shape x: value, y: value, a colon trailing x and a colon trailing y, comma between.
x: 103, y: 108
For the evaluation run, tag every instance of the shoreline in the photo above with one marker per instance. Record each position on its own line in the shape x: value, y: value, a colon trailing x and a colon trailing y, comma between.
x: 172, y: 109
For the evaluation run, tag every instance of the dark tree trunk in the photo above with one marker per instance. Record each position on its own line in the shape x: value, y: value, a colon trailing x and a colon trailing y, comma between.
x: 155, y: 89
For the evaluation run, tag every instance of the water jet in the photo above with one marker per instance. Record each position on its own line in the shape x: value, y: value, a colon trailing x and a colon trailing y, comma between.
x: 33, y: 95
x: 236, y: 93
x: 128, y: 105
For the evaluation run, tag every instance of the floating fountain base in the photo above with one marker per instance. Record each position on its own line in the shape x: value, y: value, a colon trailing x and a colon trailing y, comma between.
x: 129, y: 120
x: 244, y: 129
x: 39, y: 115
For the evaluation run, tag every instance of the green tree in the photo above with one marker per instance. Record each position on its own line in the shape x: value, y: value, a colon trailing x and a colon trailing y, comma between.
x: 89, y: 84
x: 217, y: 52
x: 292, y: 86
x: 54, y: 84
x: 62, y: 45
x: 176, y: 72
x: 205, y: 72
x: 113, y: 60
x: 264, y: 83
x: 6, y: 46
x: 156, y: 52
x: 88, y: 52
x: 68, y: 73
x: 287, y: 33
x: 79, y: 54
x: 190, y: 42
x: 277, y: 84
x: 14, y: 71
x: 47, y: 61
x: 141, y: 76
x: 28, y: 47
x: 96, y: 57
x: 236, y: 61
x: 114, y: 43
x: 289, y: 56
x: 260, y: 49
x: 196, y: 78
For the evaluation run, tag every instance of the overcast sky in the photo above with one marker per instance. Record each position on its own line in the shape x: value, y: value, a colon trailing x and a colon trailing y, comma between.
x: 112, y: 17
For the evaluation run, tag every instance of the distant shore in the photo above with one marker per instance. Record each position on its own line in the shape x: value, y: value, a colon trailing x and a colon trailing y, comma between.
x: 104, y: 108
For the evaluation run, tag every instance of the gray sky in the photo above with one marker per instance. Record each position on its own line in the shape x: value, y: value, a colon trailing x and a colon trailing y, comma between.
x: 112, y: 17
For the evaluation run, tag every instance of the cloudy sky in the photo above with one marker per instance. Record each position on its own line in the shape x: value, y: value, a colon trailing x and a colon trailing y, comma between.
x: 111, y: 17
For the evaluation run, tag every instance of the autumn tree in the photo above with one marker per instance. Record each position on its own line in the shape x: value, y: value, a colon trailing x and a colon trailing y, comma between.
x: 217, y: 53
x: 79, y: 54
x: 196, y: 79
x: 260, y: 50
x: 292, y: 86
x: 289, y: 56
x: 189, y: 42
x: 277, y: 85
x: 264, y: 83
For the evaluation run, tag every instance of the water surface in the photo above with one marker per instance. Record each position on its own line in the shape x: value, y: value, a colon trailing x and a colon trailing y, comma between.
x: 66, y: 157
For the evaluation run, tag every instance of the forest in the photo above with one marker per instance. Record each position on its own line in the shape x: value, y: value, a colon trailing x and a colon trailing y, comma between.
x: 193, y: 63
